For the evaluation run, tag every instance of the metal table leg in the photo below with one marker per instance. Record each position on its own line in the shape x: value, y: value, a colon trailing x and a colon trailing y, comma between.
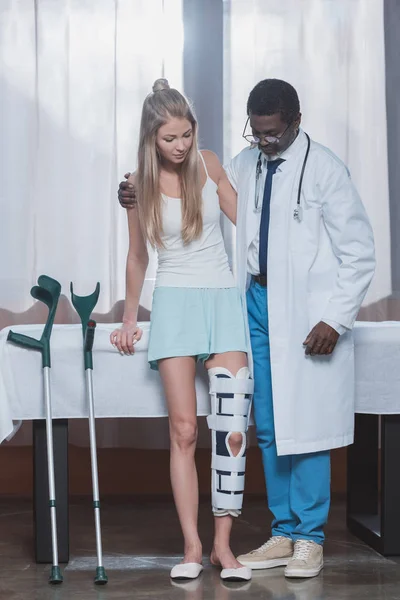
x: 373, y: 483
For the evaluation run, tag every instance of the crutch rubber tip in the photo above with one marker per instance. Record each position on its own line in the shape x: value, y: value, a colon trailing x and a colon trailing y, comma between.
x: 55, y: 575
x: 101, y: 577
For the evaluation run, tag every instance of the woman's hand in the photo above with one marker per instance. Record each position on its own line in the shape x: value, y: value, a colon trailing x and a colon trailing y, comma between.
x: 125, y: 338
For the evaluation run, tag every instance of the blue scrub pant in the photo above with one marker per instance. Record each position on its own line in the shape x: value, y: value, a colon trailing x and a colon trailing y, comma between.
x: 298, y: 486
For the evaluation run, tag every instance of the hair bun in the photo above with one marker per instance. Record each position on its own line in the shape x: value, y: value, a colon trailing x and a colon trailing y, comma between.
x: 160, y: 84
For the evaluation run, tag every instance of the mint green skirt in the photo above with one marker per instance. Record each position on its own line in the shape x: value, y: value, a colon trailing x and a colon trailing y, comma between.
x: 195, y: 322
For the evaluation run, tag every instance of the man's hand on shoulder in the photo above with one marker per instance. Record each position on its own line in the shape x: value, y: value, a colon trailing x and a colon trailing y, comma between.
x: 127, y: 192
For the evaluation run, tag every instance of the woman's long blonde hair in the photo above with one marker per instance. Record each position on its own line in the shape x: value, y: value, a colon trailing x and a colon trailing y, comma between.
x: 160, y: 106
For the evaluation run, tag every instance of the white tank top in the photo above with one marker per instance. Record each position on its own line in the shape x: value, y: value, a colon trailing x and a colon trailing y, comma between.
x: 203, y: 263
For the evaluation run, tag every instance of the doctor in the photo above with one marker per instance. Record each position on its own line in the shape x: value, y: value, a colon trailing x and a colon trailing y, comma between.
x: 305, y: 255
x: 305, y: 259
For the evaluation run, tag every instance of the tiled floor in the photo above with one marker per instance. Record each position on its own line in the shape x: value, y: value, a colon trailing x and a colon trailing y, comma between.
x: 142, y: 542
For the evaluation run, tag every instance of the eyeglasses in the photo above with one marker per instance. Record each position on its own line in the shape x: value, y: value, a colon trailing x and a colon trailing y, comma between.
x: 270, y: 139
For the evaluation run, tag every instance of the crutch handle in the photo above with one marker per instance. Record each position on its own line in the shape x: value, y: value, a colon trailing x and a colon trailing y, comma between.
x: 24, y: 340
x: 89, y: 335
x: 31, y: 343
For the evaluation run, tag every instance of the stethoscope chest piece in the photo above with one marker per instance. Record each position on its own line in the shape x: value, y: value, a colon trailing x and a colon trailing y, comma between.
x: 298, y: 214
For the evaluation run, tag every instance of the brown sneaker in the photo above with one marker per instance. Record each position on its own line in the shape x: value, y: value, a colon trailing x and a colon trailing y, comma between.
x: 307, y: 560
x: 274, y: 553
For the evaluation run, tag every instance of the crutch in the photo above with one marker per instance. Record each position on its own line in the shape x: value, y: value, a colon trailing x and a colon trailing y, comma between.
x: 84, y: 306
x: 48, y: 291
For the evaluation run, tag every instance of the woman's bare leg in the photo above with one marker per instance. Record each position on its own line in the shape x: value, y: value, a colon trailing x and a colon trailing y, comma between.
x: 178, y: 377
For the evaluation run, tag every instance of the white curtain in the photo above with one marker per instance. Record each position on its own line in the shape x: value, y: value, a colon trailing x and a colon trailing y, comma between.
x: 73, y: 77
x: 332, y: 51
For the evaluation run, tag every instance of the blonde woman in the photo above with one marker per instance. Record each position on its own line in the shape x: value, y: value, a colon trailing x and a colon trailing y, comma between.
x: 196, y: 315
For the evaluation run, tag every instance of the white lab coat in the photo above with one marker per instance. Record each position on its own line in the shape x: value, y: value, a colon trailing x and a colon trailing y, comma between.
x: 318, y: 268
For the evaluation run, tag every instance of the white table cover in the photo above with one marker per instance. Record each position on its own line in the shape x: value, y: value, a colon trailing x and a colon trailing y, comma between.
x: 377, y: 366
x: 124, y: 386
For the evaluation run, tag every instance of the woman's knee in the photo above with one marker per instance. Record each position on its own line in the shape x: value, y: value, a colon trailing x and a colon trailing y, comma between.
x: 235, y: 442
x: 184, y: 435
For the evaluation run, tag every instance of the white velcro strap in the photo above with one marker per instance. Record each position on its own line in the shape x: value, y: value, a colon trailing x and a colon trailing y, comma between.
x: 232, y: 406
x: 230, y: 464
x: 222, y: 512
x: 231, y: 385
x: 226, y: 423
x: 227, y: 501
x: 232, y: 483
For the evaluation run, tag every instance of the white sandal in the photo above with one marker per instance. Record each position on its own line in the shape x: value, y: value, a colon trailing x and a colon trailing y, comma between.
x: 186, y: 571
x: 239, y: 574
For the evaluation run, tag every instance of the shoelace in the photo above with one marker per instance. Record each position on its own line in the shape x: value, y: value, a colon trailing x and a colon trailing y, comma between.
x: 302, y: 550
x: 271, y: 542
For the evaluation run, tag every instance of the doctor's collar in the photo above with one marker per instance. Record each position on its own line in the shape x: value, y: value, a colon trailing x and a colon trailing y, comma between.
x: 292, y: 150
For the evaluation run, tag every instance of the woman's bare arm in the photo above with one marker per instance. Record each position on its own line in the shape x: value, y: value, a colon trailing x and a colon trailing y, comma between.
x: 136, y: 264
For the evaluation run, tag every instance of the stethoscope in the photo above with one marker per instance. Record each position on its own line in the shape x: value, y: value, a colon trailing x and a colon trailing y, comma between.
x: 298, y: 211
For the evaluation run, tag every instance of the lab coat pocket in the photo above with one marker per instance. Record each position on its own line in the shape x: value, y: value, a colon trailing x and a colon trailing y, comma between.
x: 304, y: 233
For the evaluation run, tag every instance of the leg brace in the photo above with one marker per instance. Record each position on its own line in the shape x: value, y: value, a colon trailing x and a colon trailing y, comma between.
x: 230, y: 412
